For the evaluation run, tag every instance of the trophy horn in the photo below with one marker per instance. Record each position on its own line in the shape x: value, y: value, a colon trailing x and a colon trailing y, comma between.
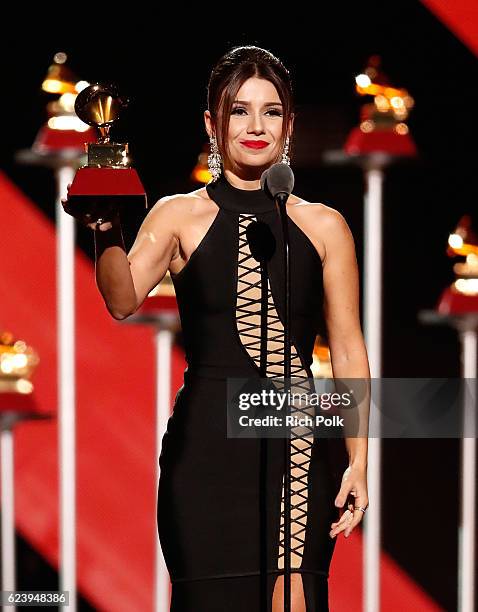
x: 463, y: 240
x: 100, y: 105
x: 59, y: 78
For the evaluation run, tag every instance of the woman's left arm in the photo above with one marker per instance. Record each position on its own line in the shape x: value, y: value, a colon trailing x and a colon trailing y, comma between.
x: 347, y: 351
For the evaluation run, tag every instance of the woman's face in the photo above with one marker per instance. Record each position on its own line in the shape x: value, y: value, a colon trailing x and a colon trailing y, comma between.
x: 255, y: 126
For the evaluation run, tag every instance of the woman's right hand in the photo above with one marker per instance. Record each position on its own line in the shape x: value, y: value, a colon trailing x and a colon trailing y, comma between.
x: 109, y: 214
x: 102, y: 227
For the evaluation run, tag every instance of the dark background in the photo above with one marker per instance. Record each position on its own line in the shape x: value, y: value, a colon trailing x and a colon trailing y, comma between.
x: 163, y: 62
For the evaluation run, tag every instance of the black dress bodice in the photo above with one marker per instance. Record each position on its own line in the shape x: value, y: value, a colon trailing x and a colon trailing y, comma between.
x: 207, y: 287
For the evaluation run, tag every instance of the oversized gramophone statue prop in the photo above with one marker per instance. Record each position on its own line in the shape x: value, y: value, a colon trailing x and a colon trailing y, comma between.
x: 201, y: 172
x: 108, y: 179
x: 64, y: 134
x: 462, y: 295
x: 321, y: 362
x: 17, y: 363
x: 381, y: 138
x: 458, y: 309
x: 383, y: 124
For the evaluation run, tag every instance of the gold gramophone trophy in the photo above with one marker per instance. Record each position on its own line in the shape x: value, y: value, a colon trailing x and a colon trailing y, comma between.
x: 17, y: 363
x: 108, y: 179
x: 462, y: 295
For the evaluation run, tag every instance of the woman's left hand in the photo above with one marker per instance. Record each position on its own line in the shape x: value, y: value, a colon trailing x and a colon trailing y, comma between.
x: 354, y: 482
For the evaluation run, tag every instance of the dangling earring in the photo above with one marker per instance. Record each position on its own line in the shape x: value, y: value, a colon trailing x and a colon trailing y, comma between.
x: 214, y: 160
x: 285, y: 153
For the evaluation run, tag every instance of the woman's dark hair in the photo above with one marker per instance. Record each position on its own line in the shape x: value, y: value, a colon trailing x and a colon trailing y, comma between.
x: 227, y: 77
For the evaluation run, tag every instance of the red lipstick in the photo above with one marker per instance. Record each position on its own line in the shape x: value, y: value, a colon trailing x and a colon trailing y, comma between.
x: 254, y: 144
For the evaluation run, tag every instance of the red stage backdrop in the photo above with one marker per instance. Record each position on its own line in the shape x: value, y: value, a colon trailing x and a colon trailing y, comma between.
x: 460, y: 16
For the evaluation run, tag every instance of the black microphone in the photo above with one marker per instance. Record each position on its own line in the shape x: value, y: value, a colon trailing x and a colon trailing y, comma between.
x: 278, y: 180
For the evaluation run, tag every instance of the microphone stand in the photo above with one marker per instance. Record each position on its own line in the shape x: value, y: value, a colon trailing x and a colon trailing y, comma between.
x: 281, y: 199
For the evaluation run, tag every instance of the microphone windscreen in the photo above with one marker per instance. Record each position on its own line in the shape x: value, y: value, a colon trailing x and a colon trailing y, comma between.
x: 279, y: 178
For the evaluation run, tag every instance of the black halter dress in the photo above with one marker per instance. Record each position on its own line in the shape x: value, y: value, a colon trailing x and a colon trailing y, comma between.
x: 220, y: 507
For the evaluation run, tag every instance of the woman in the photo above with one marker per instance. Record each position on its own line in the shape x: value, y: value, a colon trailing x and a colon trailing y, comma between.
x: 221, y: 500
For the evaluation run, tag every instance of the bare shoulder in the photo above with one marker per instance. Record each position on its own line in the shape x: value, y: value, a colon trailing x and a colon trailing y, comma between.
x: 181, y: 202
x: 318, y: 211
x: 180, y: 207
x: 323, y: 224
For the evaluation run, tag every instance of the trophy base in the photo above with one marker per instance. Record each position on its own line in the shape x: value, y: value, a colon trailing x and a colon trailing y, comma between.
x: 387, y: 141
x: 94, y: 189
x: 453, y: 302
x: 50, y: 140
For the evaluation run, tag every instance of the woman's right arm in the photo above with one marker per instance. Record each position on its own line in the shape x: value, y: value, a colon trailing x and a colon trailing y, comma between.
x: 124, y: 280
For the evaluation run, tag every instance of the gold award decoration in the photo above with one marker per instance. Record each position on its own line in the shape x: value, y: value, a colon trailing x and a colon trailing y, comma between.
x: 17, y: 363
x: 383, y: 117
x: 109, y: 172
x: 462, y: 295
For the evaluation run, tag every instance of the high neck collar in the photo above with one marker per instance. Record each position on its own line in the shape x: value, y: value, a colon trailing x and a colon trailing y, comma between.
x: 239, y: 200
